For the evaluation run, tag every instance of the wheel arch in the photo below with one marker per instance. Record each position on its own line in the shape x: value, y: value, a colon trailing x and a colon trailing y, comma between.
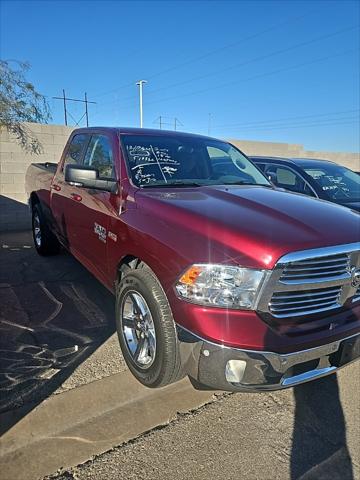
x: 134, y: 262
x: 33, y: 200
x: 130, y: 262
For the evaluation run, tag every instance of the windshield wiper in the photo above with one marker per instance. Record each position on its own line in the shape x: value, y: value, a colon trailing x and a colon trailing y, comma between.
x: 175, y: 183
x: 240, y: 182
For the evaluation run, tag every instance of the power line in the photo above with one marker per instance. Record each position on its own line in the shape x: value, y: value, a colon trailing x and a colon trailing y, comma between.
x: 233, y: 44
x: 300, y: 123
x: 280, y: 70
x: 256, y: 59
x: 215, y: 51
x: 253, y: 60
x: 265, y: 74
x: 262, y: 122
x: 305, y: 125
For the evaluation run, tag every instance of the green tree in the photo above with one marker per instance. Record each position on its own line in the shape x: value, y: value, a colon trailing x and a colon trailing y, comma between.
x: 19, y: 103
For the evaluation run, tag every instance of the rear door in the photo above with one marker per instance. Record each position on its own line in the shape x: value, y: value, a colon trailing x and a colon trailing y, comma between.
x: 61, y: 199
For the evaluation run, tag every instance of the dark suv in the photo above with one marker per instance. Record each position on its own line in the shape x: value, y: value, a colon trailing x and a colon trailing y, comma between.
x: 318, y: 178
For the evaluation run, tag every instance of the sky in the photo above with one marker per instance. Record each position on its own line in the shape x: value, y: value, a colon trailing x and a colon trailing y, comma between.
x: 280, y: 71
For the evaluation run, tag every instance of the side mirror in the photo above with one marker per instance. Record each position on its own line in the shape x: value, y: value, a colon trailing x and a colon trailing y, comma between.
x: 87, y: 177
x: 272, y: 177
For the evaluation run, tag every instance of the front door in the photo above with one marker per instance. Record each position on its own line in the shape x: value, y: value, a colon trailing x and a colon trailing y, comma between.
x: 93, y: 208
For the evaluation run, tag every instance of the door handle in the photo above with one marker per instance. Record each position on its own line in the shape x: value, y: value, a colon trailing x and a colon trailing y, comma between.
x: 76, y: 197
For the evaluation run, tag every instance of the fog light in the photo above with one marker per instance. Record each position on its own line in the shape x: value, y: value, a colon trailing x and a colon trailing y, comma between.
x: 234, y: 370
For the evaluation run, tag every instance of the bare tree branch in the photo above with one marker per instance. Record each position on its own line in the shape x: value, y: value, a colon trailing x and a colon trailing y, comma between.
x: 19, y: 103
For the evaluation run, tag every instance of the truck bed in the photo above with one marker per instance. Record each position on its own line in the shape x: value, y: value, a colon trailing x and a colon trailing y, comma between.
x: 38, y: 179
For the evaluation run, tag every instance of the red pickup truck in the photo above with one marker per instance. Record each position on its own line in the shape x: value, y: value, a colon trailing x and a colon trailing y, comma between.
x: 217, y: 274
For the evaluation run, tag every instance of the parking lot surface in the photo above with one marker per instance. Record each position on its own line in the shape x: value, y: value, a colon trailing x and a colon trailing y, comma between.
x: 309, y: 433
x: 56, y: 324
x: 57, y: 334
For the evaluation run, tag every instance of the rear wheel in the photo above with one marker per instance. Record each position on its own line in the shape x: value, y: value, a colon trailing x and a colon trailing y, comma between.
x: 44, y: 240
x: 146, y: 329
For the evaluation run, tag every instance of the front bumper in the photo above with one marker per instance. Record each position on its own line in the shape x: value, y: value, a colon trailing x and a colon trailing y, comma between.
x: 218, y: 367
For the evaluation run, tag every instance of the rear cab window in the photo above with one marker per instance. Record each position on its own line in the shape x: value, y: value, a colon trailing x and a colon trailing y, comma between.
x: 75, y: 150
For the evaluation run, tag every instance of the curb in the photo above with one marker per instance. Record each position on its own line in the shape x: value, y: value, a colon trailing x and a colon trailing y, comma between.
x: 70, y: 428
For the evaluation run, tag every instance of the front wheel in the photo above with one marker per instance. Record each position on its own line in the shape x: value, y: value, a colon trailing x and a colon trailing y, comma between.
x: 146, y: 329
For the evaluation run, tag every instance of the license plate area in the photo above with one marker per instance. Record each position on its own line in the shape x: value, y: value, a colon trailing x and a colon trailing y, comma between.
x: 348, y: 351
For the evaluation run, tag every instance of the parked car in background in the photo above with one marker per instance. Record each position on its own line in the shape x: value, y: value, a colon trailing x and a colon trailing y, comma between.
x: 317, y: 178
x: 216, y: 273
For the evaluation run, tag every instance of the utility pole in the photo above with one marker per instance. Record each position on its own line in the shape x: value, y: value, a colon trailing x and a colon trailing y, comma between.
x: 86, y: 110
x: 63, y: 98
x: 176, y: 122
x: 161, y: 122
x: 65, y: 107
x: 141, y: 83
x: 66, y: 112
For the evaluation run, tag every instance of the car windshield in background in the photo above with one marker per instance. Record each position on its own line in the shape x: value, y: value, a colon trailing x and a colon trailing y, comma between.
x: 187, y: 161
x: 339, y: 183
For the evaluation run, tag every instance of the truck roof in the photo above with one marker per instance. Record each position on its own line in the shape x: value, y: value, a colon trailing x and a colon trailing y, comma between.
x: 140, y: 131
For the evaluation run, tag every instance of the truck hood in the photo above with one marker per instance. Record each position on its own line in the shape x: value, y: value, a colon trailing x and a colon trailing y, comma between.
x: 250, y: 225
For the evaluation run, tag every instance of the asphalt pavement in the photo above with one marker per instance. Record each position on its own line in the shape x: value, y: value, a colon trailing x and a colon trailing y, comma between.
x: 310, y: 433
x: 56, y: 324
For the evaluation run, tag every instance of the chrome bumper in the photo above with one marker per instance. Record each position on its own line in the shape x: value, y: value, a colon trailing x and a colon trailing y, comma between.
x: 215, y: 366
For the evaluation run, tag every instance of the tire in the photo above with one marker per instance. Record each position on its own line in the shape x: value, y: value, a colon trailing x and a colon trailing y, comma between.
x: 44, y: 240
x: 154, y: 359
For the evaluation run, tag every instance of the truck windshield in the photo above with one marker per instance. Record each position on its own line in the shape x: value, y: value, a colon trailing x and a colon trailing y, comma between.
x: 187, y: 161
x: 339, y: 183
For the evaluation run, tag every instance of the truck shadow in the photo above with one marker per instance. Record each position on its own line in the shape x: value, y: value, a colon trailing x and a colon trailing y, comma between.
x: 319, y: 448
x: 53, y: 316
x: 14, y: 214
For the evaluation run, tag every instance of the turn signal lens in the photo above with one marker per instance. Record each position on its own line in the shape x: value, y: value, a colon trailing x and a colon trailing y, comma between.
x: 190, y: 276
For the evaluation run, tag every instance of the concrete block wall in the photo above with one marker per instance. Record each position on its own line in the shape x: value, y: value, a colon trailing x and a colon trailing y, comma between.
x: 269, y: 148
x: 14, y: 162
x: 348, y: 159
x: 14, y: 213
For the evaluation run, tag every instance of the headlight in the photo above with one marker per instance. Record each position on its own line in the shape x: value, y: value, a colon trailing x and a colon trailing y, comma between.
x: 221, y: 286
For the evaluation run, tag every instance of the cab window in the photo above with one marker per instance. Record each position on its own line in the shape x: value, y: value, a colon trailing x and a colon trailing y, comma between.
x: 99, y: 155
x: 75, y: 149
x: 288, y: 179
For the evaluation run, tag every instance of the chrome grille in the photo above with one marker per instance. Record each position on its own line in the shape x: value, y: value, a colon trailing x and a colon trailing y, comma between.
x: 316, y: 269
x: 286, y: 304
x: 309, y: 282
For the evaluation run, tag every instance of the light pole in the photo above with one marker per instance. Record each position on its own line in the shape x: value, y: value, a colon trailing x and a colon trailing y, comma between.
x: 140, y: 83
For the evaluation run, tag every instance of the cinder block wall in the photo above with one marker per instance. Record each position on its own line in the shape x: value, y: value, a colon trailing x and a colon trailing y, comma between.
x: 14, y: 213
x: 350, y: 160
